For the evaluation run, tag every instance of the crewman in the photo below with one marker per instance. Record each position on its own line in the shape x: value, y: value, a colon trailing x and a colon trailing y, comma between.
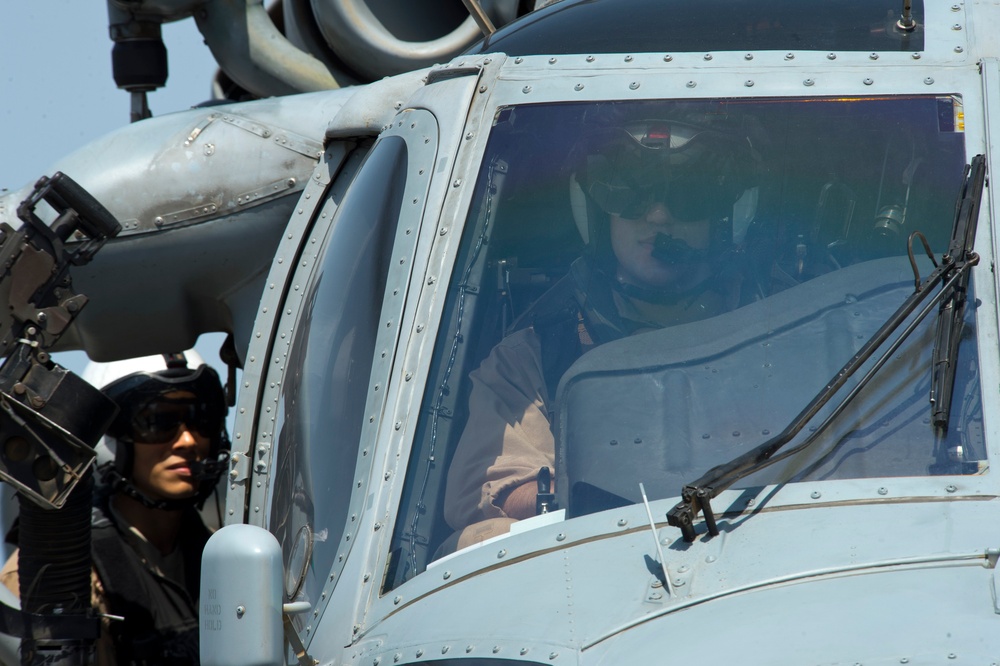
x: 654, y: 201
x: 159, y: 461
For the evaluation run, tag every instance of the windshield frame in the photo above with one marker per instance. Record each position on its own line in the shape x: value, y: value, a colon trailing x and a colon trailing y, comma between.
x: 619, y: 81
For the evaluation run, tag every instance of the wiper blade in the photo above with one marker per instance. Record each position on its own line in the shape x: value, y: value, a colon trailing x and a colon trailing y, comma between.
x: 952, y: 310
x: 952, y: 273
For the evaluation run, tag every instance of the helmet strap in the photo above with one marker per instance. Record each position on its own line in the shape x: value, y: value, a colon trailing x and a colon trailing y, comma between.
x: 206, y: 472
x: 119, y: 484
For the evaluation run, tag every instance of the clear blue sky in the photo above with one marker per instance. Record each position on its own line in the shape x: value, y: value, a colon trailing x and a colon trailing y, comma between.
x: 57, y: 93
x: 56, y: 89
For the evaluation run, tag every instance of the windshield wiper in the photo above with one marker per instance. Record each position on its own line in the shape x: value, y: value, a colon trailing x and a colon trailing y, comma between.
x: 952, y: 310
x: 953, y: 276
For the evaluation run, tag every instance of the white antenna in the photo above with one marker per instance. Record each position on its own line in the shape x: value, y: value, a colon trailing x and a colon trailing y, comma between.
x: 482, y: 20
x: 659, y: 548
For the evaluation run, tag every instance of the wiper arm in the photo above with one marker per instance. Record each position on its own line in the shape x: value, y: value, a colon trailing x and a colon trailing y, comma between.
x: 952, y: 273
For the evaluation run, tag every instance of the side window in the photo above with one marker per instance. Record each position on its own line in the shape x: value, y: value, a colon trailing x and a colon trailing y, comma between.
x: 320, y: 405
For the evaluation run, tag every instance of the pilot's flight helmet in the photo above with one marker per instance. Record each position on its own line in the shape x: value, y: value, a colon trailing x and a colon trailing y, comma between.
x: 698, y: 166
x: 140, y: 387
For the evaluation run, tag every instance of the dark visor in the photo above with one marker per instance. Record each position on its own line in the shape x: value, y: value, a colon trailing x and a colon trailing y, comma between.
x: 696, y: 177
x: 155, y: 405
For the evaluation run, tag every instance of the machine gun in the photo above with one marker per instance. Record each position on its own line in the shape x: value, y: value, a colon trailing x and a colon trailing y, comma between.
x: 51, y: 418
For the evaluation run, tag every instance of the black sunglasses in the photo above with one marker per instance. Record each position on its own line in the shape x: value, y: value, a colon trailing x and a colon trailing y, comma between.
x: 160, y: 421
x: 688, y: 200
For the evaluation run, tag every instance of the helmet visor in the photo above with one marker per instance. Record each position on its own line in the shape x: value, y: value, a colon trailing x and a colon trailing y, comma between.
x: 697, y: 173
x: 160, y: 420
x: 154, y: 405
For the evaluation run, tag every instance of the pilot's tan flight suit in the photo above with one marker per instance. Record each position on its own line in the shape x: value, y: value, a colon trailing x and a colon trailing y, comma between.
x: 507, y: 437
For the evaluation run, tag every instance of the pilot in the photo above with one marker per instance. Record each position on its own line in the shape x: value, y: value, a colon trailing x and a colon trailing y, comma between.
x: 157, y: 465
x: 661, y: 205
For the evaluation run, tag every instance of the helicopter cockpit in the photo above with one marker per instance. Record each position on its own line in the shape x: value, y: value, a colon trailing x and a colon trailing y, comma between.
x: 778, y: 234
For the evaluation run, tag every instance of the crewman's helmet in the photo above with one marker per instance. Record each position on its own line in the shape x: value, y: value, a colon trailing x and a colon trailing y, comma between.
x: 699, y: 168
x: 139, y: 387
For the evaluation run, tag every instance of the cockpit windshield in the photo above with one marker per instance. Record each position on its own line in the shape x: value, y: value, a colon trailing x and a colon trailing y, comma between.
x: 647, y: 289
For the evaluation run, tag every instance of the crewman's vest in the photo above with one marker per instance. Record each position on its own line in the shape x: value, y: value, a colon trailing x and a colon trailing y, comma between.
x: 160, y: 623
x: 578, y: 313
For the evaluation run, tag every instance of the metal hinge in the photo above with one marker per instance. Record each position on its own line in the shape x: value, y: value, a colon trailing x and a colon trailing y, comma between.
x: 239, y: 467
